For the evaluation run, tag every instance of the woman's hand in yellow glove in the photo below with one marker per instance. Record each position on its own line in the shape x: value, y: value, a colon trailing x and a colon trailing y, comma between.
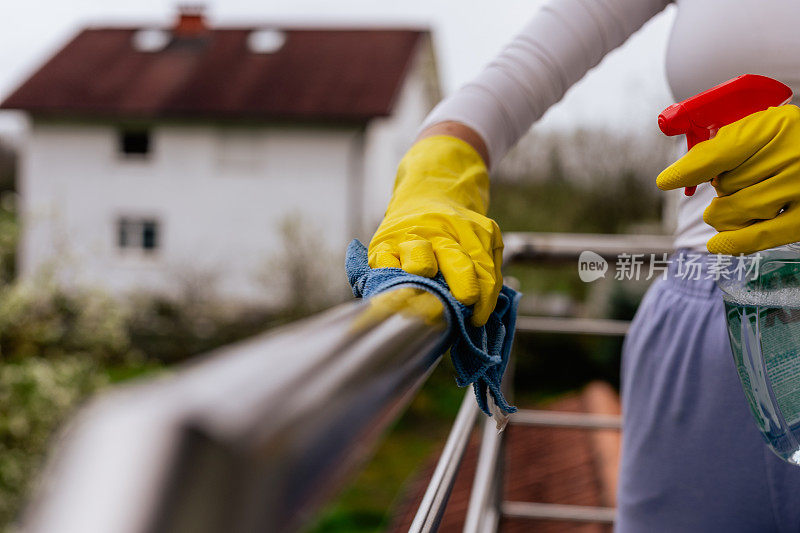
x: 437, y: 220
x: 756, y: 161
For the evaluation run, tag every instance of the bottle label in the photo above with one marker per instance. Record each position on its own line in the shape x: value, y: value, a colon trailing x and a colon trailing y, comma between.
x: 780, y: 348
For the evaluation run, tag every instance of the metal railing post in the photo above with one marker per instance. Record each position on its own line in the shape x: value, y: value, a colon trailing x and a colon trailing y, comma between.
x: 483, y: 513
x: 429, y: 514
x: 486, y: 497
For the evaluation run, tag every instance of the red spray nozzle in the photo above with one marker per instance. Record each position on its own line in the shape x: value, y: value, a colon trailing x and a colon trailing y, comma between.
x: 700, y: 116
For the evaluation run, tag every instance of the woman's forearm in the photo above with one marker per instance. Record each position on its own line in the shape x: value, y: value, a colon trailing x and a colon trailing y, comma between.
x: 563, y: 40
x: 460, y: 131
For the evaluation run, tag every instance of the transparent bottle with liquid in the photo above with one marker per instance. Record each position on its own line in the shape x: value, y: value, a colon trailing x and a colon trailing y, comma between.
x: 762, y: 307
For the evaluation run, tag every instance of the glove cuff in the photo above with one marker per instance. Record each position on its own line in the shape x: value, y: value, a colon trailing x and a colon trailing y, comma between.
x: 444, y: 165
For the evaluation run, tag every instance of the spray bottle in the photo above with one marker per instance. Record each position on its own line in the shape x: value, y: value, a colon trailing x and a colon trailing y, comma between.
x: 761, y: 291
x: 700, y: 116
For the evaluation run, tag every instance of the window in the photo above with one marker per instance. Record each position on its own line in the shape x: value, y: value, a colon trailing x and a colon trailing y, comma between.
x: 134, y: 143
x: 138, y: 234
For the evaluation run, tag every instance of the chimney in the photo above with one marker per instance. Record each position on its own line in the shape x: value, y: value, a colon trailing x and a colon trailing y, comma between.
x: 191, y: 21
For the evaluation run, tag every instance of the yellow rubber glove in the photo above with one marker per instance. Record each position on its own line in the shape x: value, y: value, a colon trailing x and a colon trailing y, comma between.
x: 437, y: 220
x: 756, y: 161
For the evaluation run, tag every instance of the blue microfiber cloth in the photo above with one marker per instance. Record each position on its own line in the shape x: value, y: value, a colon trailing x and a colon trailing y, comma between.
x: 480, y: 355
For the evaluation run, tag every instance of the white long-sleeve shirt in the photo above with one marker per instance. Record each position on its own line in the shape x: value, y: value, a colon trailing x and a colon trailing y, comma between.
x: 711, y: 41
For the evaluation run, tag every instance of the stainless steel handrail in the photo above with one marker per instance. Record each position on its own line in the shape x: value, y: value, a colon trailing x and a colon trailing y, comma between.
x: 560, y: 247
x: 573, y: 326
x: 554, y: 511
x: 253, y: 437
x: 559, y: 419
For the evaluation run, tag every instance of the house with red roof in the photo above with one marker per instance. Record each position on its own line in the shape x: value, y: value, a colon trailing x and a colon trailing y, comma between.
x: 155, y: 155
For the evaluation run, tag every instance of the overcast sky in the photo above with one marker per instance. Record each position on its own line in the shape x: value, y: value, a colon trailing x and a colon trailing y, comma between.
x: 627, y: 90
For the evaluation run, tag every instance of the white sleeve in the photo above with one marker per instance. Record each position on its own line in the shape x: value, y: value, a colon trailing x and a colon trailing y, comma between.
x: 556, y: 48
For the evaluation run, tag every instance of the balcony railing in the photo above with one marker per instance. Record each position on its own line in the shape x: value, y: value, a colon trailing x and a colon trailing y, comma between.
x: 258, y: 435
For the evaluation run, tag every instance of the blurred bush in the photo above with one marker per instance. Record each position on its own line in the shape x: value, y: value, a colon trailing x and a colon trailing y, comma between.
x: 9, y: 234
x: 39, y: 320
x: 581, y: 182
x: 306, y: 274
x: 58, y: 346
x: 170, y: 330
x: 35, y: 396
x: 584, y: 156
x: 612, y: 205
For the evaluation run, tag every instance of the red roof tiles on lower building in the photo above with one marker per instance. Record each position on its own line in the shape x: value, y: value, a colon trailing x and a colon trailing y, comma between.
x: 544, y: 465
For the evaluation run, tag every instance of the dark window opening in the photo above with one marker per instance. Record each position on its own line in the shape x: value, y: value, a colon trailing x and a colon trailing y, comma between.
x: 149, y: 235
x: 134, y: 142
x: 138, y: 233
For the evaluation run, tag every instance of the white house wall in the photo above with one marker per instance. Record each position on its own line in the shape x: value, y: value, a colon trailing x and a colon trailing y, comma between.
x: 219, y: 194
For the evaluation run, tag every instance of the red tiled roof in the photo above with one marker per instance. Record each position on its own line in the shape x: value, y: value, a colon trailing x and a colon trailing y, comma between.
x: 542, y: 464
x: 317, y: 75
